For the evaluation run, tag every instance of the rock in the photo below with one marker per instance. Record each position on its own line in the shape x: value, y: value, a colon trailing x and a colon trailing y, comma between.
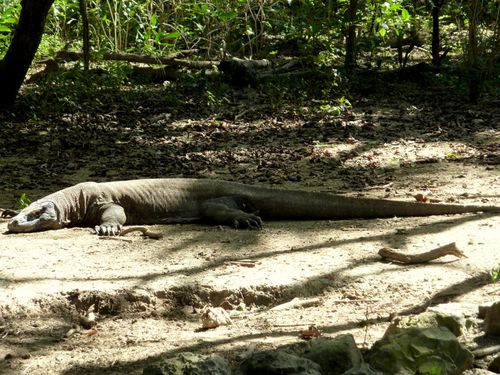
x: 492, y: 320
x: 464, y: 313
x: 427, y: 319
x: 478, y: 371
x: 279, y: 362
x: 335, y: 355
x: 420, y: 350
x: 483, y: 309
x: 16, y: 353
x: 214, y: 317
x: 458, y: 309
x: 190, y: 364
x: 495, y: 364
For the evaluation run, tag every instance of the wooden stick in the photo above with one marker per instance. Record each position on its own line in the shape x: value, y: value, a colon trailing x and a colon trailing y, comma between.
x: 145, y: 232
x: 393, y: 255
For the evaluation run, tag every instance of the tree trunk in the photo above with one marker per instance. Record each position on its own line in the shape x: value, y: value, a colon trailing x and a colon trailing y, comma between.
x: 350, y: 41
x: 472, y: 53
x: 436, y: 10
x: 27, y: 37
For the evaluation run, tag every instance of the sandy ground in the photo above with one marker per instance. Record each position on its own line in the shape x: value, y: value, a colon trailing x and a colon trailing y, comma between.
x: 148, y: 294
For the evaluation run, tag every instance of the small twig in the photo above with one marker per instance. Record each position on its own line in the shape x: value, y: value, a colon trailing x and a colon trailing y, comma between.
x: 379, y: 186
x: 292, y: 325
x: 494, y: 291
x: 393, y: 255
x: 145, y: 232
x: 354, y: 300
x: 243, y: 263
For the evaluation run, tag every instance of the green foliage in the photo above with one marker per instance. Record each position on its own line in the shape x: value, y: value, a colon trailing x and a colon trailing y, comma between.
x: 255, y: 28
x: 9, y: 15
x: 392, y: 16
x: 71, y: 90
x: 342, y: 105
x: 23, y: 201
x: 156, y: 27
x: 215, y: 27
x: 432, y: 371
x: 495, y: 274
x: 214, y: 99
x: 49, y: 46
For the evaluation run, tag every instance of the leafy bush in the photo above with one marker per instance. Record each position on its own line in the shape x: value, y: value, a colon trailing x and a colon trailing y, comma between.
x: 9, y: 15
x: 23, y: 201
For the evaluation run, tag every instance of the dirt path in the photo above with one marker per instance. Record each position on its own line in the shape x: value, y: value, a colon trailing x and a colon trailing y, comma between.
x: 147, y: 294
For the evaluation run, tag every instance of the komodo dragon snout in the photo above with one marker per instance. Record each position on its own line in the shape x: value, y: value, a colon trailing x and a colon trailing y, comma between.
x: 36, y: 217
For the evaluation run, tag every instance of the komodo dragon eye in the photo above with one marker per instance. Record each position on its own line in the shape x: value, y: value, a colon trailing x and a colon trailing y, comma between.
x: 35, y: 214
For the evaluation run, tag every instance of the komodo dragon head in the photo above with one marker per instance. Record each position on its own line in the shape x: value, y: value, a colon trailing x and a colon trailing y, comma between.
x: 36, y: 217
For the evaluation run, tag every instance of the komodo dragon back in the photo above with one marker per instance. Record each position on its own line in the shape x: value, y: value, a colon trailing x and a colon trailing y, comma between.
x: 108, y: 206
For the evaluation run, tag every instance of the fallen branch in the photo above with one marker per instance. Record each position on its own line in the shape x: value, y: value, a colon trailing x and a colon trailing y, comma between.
x: 393, y: 255
x: 129, y: 57
x: 247, y: 64
x: 242, y: 72
x: 193, y: 64
x: 290, y: 75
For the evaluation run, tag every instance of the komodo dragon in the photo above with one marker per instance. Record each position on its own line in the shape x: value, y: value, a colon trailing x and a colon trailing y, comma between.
x: 107, y: 206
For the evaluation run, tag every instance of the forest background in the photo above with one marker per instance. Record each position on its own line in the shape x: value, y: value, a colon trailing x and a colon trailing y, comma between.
x: 328, y: 34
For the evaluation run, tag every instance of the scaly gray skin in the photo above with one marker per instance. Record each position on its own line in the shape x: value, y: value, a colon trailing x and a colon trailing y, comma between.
x: 108, y: 206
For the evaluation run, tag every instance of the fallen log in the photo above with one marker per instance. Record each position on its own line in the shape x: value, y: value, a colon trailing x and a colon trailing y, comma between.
x: 129, y: 57
x: 242, y: 72
x: 194, y: 64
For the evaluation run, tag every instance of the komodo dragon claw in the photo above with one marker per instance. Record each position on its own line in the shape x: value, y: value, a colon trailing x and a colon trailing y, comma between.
x: 249, y: 221
x: 108, y: 229
x: 7, y: 213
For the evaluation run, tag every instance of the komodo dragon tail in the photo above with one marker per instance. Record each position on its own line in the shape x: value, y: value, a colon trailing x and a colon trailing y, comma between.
x: 296, y: 205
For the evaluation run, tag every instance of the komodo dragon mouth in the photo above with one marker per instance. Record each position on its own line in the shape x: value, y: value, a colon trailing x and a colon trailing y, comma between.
x: 36, y: 217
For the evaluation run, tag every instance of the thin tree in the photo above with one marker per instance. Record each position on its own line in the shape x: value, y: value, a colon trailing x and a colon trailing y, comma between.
x: 472, y: 52
x: 436, y: 38
x: 350, y: 40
